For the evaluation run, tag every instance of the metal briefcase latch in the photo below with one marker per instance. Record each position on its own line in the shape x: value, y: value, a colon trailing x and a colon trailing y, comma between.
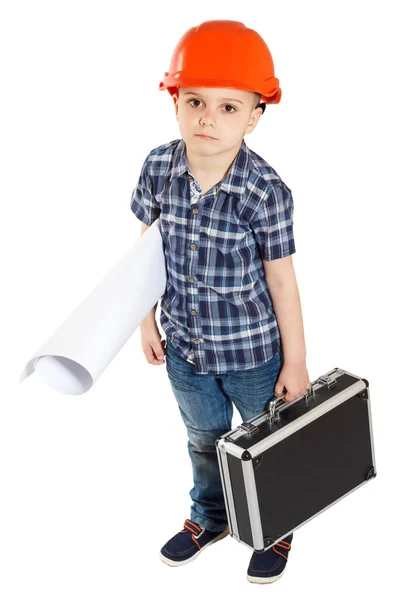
x: 249, y: 429
x: 327, y: 380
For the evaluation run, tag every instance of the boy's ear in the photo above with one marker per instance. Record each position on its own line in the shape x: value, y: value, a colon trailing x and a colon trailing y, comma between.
x: 175, y: 98
x: 259, y: 111
x: 254, y: 118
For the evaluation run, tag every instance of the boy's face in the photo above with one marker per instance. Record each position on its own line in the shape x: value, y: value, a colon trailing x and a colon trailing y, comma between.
x: 226, y: 114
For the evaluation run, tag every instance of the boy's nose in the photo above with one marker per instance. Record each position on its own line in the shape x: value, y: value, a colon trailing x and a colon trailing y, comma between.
x: 207, y: 119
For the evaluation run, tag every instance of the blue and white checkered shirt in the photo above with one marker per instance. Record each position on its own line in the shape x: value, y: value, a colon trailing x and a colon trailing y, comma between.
x: 217, y: 311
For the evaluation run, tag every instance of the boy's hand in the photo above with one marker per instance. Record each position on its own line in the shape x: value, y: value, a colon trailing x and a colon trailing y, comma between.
x: 293, y: 377
x: 153, y: 347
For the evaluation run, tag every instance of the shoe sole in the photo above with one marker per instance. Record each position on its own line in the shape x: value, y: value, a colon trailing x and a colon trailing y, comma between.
x: 173, y: 563
x: 253, y: 579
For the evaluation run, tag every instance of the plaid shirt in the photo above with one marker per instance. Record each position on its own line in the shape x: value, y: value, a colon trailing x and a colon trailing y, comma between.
x: 216, y: 310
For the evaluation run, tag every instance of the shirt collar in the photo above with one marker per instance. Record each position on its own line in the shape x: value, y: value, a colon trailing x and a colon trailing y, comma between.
x: 237, y: 177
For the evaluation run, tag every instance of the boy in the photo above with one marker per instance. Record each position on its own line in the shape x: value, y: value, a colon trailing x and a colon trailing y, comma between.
x: 231, y: 310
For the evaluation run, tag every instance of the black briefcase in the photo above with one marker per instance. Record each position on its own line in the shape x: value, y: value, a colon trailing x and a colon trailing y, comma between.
x: 293, y: 461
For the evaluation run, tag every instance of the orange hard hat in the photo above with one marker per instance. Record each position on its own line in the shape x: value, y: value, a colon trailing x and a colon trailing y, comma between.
x: 224, y: 54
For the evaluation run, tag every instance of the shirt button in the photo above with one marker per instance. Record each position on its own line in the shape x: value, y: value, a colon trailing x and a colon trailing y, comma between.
x: 196, y: 341
x: 192, y: 279
x: 193, y: 246
x: 195, y: 211
x: 193, y: 312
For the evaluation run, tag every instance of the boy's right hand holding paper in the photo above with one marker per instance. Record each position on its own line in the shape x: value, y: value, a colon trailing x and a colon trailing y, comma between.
x: 152, y: 344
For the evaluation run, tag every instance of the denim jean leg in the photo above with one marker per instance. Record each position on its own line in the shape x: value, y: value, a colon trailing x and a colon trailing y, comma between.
x: 207, y: 414
x: 252, y: 390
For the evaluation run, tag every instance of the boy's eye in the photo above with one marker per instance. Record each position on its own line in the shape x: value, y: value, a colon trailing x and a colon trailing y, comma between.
x: 193, y: 100
x: 197, y: 100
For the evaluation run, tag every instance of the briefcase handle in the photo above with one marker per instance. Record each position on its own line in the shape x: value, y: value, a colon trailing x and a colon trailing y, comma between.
x: 329, y: 380
x: 272, y: 405
x: 278, y: 402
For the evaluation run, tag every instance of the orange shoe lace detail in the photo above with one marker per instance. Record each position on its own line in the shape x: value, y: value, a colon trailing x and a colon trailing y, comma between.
x: 194, y: 529
x: 281, y: 544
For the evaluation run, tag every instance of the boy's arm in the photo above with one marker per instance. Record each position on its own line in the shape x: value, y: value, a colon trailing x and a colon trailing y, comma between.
x: 150, y: 318
x: 282, y: 285
x: 144, y: 228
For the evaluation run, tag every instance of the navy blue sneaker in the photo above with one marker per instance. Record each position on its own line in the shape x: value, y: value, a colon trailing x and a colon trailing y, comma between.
x: 186, y: 545
x: 270, y: 565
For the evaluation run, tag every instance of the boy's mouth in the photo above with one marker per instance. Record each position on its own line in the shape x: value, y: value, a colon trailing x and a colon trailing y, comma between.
x: 205, y: 137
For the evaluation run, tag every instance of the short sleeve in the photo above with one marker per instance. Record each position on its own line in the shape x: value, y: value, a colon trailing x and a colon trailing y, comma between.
x: 273, y: 224
x: 143, y: 203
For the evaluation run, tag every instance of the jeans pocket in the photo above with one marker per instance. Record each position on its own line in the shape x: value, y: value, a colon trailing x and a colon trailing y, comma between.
x: 180, y: 372
x: 252, y: 390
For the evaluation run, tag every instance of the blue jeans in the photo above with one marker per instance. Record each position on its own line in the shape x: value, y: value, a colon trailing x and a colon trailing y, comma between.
x: 205, y: 404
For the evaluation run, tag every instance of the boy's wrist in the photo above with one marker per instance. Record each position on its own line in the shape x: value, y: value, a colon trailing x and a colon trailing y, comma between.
x: 148, y: 323
x: 295, y: 361
x: 150, y: 319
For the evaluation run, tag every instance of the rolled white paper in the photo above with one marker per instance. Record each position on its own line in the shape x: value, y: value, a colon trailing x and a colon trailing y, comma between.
x: 75, y: 356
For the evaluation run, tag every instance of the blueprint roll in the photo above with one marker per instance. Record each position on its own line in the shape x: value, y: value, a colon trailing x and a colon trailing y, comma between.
x: 75, y: 356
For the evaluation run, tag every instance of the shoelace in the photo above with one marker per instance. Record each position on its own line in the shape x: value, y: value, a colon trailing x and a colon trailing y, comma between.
x: 284, y: 545
x: 194, y: 529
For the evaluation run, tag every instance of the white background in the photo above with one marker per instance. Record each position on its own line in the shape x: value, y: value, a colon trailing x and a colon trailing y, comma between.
x: 92, y: 486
